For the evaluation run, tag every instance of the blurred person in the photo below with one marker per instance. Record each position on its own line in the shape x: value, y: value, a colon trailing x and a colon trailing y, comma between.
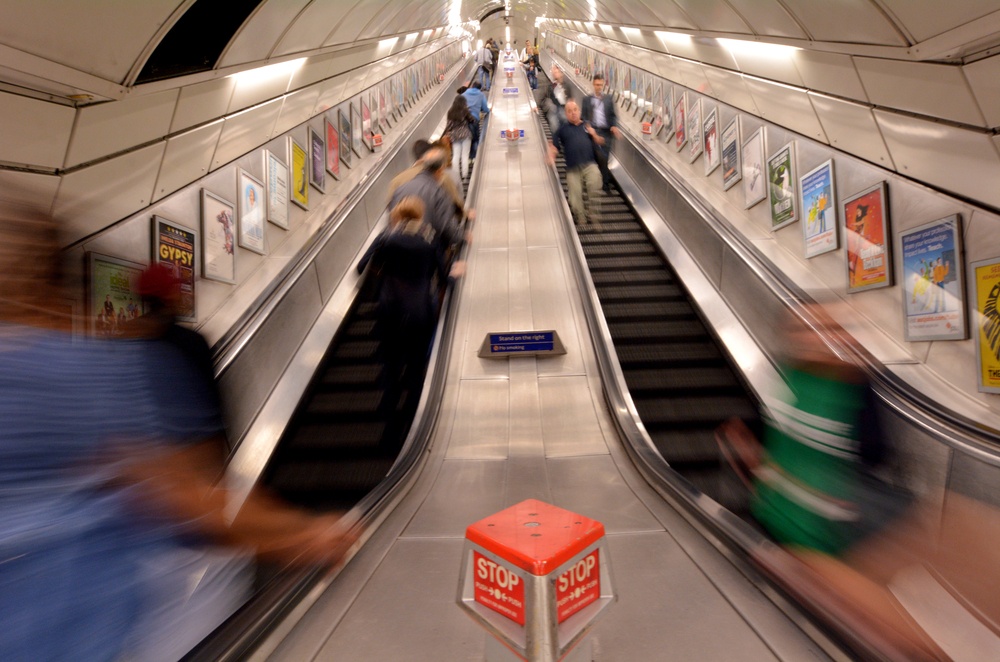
x: 555, y: 99
x: 476, y: 100
x: 598, y: 110
x: 439, y: 207
x: 529, y: 58
x: 419, y: 148
x: 867, y: 550
x: 452, y: 185
x: 407, y: 258
x: 495, y: 53
x: 457, y: 128
x: 91, y: 472
x: 483, y: 58
x: 578, y: 142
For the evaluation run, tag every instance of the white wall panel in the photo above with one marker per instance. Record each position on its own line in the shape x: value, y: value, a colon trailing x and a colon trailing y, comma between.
x: 692, y: 75
x: 315, y: 23
x: 925, y: 19
x: 22, y: 192
x: 849, y: 21
x: 297, y: 108
x: 188, y: 156
x: 33, y: 132
x: 728, y: 87
x: 330, y: 93
x: 347, y: 31
x: 831, y: 73
x: 965, y: 162
x: 768, y: 18
x: 117, y: 125
x: 202, y: 102
x: 669, y: 15
x: 259, y: 35
x: 716, y: 16
x: 314, y: 70
x: 643, y: 39
x: 937, y: 90
x: 93, y: 198
x: 786, y: 106
x: 251, y: 90
x: 246, y: 131
x: 984, y: 77
x: 781, y: 69
x: 851, y: 127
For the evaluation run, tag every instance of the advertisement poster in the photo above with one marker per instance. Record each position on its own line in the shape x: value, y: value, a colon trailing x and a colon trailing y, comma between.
x: 933, y: 291
x: 332, y: 149
x: 732, y: 166
x: 819, y: 200
x: 356, y: 129
x: 373, y: 100
x: 277, y: 190
x: 174, y: 246
x: 680, y: 122
x: 218, y: 231
x: 754, y: 180
x: 866, y: 220
x: 713, y: 156
x: 113, y: 294
x: 366, y: 125
x: 695, y: 144
x: 985, y: 276
x: 345, y: 137
x: 781, y: 180
x: 298, y: 163
x: 251, y: 221
x: 383, y: 111
x: 317, y: 160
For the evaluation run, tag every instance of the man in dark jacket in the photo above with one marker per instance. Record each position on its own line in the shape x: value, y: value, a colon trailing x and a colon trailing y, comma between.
x: 598, y: 110
x: 577, y: 141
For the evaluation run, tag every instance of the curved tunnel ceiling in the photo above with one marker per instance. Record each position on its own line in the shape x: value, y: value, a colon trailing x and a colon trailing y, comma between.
x: 98, y: 48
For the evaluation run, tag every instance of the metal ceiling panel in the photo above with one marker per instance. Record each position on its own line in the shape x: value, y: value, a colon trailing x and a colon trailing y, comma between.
x: 779, y: 68
x: 729, y: 88
x: 257, y: 38
x: 984, y: 77
x: 786, y: 106
x: 937, y: 90
x: 692, y: 75
x: 768, y: 19
x: 668, y: 15
x: 831, y: 73
x: 317, y: 21
x: 928, y: 18
x: 202, y: 102
x: 117, y: 125
x: 246, y: 131
x: 100, y: 37
x: 298, y: 107
x: 27, y: 192
x: 851, y: 127
x: 954, y: 159
x: 847, y: 21
x: 701, y: 49
x: 643, y: 39
x: 403, y: 17
x: 95, y: 197
x: 252, y: 89
x: 714, y: 15
x: 33, y: 132
x: 316, y: 69
x: 187, y: 157
x: 330, y: 94
x: 349, y: 29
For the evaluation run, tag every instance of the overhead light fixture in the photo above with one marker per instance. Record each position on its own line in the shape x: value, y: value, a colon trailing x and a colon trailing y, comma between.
x: 269, y: 72
x: 757, y: 48
x: 677, y: 38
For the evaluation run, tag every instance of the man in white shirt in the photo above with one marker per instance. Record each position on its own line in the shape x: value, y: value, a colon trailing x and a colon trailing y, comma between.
x: 484, y: 59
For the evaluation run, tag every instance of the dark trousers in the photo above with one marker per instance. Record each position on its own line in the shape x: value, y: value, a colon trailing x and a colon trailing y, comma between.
x: 474, y: 127
x: 605, y: 149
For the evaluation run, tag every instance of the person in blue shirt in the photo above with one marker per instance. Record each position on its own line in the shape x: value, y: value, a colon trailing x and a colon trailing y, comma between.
x: 577, y: 141
x: 479, y: 108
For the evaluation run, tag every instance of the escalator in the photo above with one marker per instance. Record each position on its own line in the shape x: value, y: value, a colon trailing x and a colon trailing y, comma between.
x: 682, y: 382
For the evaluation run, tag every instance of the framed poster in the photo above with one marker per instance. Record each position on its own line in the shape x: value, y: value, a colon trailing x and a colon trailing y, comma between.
x: 317, y: 160
x: 298, y: 164
x: 754, y: 181
x: 680, y: 122
x: 332, y: 148
x: 866, y: 220
x: 373, y: 103
x: 383, y: 111
x: 710, y: 139
x: 985, y: 278
x: 218, y: 225
x: 366, y: 124
x: 276, y: 174
x: 345, y: 137
x: 251, y: 221
x: 819, y: 200
x: 781, y: 181
x: 356, y: 128
x: 174, y: 246
x: 933, y: 287
x: 694, y: 137
x: 732, y: 164
x: 112, y: 294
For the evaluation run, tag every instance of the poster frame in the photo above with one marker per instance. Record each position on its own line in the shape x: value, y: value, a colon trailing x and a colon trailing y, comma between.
x: 882, y: 190
x: 979, y: 318
x: 277, y: 210
x: 207, y: 271
x: 754, y: 168
x: 785, y: 156
x: 135, y: 269
x: 188, y: 312
x: 832, y: 208
x: 298, y: 179
x: 911, y: 330
x: 250, y: 219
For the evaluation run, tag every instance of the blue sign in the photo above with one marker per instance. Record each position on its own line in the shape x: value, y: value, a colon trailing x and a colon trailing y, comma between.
x: 512, y: 343
x: 504, y: 133
x: 510, y: 90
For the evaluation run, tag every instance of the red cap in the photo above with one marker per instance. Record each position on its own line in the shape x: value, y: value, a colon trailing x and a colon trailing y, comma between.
x: 159, y: 281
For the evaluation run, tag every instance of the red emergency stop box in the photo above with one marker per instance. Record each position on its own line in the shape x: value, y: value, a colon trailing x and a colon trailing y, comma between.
x: 536, y: 576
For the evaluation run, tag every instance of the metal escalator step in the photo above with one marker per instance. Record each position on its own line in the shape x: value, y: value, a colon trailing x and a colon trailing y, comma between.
x: 360, y: 328
x: 620, y: 312
x: 681, y: 380
x: 642, y: 262
x: 612, y: 249
x: 337, y: 436
x: 615, y: 216
x: 667, y: 354
x: 350, y: 402
x: 357, y: 350
x: 638, y: 331
x: 322, y: 477
x: 366, y: 309
x: 658, y: 292
x: 615, y: 237
x: 631, y: 277
x: 688, y: 412
x: 686, y: 446
x: 351, y: 376
x: 616, y: 226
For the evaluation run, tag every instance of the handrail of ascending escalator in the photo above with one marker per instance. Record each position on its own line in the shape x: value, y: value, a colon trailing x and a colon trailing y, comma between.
x: 250, y: 625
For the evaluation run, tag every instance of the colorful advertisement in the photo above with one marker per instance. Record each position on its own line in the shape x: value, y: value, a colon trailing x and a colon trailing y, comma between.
x: 933, y: 291
x: 317, y: 161
x: 251, y: 225
x: 218, y: 230
x: 711, y: 140
x: 820, y: 204
x: 298, y: 163
x: 113, y: 294
x: 695, y: 145
x: 781, y: 187
x: 174, y: 246
x: 680, y: 122
x: 732, y: 166
x: 332, y: 149
x: 866, y: 221
x: 277, y: 190
x: 754, y: 177
x: 986, y: 283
